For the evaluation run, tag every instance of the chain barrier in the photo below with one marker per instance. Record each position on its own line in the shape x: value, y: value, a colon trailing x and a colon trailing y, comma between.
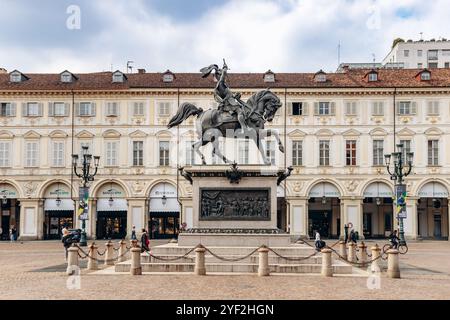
x: 232, y: 259
x: 86, y: 255
x: 362, y: 264
x: 173, y: 258
x: 101, y: 254
x: 116, y: 249
x: 293, y: 258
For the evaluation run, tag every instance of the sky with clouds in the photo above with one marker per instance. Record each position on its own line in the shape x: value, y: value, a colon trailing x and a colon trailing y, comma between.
x: 185, y: 35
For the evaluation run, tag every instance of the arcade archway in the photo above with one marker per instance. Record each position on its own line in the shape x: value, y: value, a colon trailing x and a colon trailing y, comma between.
x: 432, y: 211
x: 377, y: 210
x: 324, y: 210
x: 164, y: 212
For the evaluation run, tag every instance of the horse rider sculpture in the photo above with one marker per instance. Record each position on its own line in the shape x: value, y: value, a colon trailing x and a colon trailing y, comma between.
x: 228, y: 101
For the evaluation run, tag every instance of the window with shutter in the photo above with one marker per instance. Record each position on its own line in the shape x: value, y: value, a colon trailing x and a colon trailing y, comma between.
x: 378, y: 108
x: 297, y: 108
x: 324, y: 152
x: 378, y: 152
x: 59, y: 109
x: 5, y: 153
x: 404, y: 108
x: 350, y: 108
x: 433, y: 108
x: 270, y: 151
x: 164, y: 153
x: 138, y: 108
x: 138, y: 153
x: 111, y: 153
x: 164, y: 109
x: 31, y: 154
x: 85, y: 109
x: 190, y: 155
x: 6, y: 109
x: 323, y: 108
x: 112, y: 109
x: 297, y: 153
x: 58, y: 154
x: 350, y: 152
x: 32, y: 109
x: 243, y: 151
x: 433, y: 152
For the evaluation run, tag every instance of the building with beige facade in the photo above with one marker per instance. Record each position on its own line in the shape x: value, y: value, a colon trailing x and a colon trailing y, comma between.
x: 336, y: 129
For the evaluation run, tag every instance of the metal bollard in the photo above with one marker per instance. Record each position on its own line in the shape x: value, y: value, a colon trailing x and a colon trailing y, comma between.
x: 343, y: 249
x: 200, y: 268
x: 109, y: 254
x: 136, y: 268
x: 327, y: 268
x: 72, y: 261
x: 263, y: 267
x: 375, y: 267
x: 122, y: 251
x: 351, y: 252
x: 393, y: 264
x: 362, y: 249
x: 92, y: 258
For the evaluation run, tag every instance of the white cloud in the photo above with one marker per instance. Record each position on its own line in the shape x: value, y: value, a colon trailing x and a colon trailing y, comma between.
x: 253, y: 35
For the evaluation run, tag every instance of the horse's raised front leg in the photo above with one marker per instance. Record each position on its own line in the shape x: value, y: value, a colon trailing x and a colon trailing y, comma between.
x: 271, y: 132
x: 218, y: 152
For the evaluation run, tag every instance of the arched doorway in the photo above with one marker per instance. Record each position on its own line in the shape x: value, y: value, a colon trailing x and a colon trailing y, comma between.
x: 432, y: 211
x: 281, y: 209
x: 112, y: 211
x: 377, y: 209
x: 324, y: 210
x: 164, y: 212
x: 9, y: 211
x: 58, y: 210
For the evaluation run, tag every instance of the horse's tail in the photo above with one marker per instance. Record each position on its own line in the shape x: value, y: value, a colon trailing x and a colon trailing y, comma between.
x: 184, y: 111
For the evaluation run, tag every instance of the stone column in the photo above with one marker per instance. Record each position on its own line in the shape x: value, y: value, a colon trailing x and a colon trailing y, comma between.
x: 122, y: 251
x: 351, y: 252
x: 327, y: 268
x: 410, y: 224
x: 40, y: 219
x: 263, y: 267
x: 92, y: 259
x: 29, y: 219
x: 393, y: 264
x: 136, y: 268
x: 375, y: 267
x: 298, y: 209
x: 200, y: 268
x: 353, y: 213
x: 363, y: 253
x: 109, y: 254
x: 343, y: 249
x: 91, y: 225
x: 72, y: 261
x: 136, y: 216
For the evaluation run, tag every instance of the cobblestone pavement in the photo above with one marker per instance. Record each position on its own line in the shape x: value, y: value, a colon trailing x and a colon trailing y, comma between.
x: 34, y: 270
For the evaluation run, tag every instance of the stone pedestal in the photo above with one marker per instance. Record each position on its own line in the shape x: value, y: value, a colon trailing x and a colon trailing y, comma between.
x: 233, y: 207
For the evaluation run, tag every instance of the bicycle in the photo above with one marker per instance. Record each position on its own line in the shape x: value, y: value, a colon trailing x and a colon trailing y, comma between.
x: 402, y: 248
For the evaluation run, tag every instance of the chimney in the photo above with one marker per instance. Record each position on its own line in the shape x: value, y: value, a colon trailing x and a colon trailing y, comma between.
x: 3, y: 71
x: 141, y: 70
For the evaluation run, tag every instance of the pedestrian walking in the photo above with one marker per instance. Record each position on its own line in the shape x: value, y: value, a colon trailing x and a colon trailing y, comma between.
x: 353, y: 237
x: 319, y: 244
x: 345, y: 233
x: 1, y: 233
x: 145, y: 242
x: 133, y: 233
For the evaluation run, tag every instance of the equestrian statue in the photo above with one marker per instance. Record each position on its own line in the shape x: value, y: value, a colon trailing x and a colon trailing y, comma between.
x: 233, y: 117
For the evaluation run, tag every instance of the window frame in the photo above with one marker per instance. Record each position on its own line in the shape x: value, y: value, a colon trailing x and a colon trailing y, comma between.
x: 433, y: 152
x: 377, y: 152
x: 164, y: 153
x: 112, y: 154
x: 351, y: 153
x: 31, y: 161
x: 59, y: 160
x: 324, y: 153
x: 138, y: 154
x: 297, y: 153
x: 5, y: 152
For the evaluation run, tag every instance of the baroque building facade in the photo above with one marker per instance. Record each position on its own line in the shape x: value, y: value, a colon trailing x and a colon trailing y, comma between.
x: 336, y: 129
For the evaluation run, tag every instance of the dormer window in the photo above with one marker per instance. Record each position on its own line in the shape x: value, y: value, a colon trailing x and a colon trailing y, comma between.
x: 168, y: 76
x: 425, y: 76
x: 67, y: 77
x: 269, y: 76
x: 118, y: 77
x: 372, y: 76
x: 17, y: 76
x: 320, y: 76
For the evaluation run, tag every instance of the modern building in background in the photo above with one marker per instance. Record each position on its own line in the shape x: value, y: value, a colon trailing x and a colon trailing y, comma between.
x: 420, y: 54
x: 336, y: 128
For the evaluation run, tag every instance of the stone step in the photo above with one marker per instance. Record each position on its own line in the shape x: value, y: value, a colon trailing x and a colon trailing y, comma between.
x: 238, y: 251
x: 338, y: 268
x: 252, y: 259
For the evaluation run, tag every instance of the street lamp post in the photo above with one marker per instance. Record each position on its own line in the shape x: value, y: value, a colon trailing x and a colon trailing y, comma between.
x: 398, y: 174
x: 86, y: 177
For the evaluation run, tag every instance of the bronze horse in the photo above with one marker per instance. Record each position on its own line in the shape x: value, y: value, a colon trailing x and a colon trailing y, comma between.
x: 212, y: 124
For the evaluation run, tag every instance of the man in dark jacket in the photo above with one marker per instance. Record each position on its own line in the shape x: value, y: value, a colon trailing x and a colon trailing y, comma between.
x: 145, y: 242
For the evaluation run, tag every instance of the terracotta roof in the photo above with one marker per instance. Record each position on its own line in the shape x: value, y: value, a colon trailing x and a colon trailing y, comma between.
x: 354, y: 78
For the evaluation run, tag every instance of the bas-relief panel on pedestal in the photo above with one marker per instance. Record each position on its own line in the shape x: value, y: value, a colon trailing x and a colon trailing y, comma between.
x: 235, y: 204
